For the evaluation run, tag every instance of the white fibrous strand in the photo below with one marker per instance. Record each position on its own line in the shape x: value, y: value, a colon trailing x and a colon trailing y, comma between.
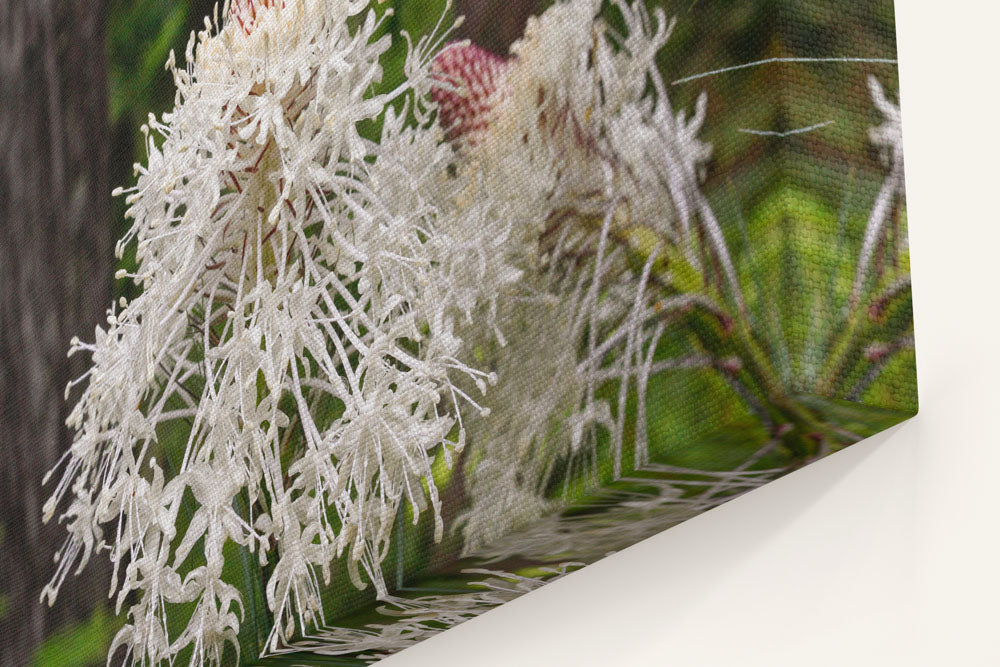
x: 888, y: 138
x: 287, y: 376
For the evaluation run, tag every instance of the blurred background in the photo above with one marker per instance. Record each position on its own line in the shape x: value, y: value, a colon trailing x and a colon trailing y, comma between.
x: 78, y: 77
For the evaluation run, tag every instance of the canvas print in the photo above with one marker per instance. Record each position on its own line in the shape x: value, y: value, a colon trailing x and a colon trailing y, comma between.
x: 417, y: 306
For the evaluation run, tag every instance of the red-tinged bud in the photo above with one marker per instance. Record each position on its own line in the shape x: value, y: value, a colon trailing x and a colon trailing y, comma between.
x: 244, y: 12
x: 469, y: 78
x: 877, y: 310
x: 731, y: 365
x: 877, y: 351
x: 727, y: 323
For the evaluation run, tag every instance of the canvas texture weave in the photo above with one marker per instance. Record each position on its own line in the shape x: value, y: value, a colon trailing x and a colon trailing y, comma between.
x: 413, y: 313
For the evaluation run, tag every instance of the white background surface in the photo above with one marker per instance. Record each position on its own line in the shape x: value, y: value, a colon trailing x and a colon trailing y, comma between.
x: 885, y: 554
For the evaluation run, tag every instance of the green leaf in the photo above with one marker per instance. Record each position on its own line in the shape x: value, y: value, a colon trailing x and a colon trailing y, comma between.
x: 83, y: 644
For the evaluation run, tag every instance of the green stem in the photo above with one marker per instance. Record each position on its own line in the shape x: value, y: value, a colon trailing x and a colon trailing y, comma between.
x: 807, y: 431
x: 839, y: 353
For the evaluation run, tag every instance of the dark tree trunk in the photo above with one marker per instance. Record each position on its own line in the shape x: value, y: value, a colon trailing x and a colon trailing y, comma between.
x: 495, y: 25
x: 55, y: 269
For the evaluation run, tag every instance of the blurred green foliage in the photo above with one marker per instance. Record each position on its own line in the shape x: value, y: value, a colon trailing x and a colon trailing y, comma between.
x: 140, y: 37
x: 81, y: 645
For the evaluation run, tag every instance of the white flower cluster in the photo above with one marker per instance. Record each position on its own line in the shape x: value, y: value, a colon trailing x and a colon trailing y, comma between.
x: 577, y: 107
x: 296, y: 325
x: 581, y: 139
x: 316, y: 306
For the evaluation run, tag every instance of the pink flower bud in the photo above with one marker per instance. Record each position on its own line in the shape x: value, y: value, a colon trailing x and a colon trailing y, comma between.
x: 470, y: 77
x: 244, y: 12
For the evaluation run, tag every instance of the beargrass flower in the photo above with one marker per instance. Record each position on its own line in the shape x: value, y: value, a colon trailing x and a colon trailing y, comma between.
x: 295, y: 332
x: 575, y: 129
x: 323, y: 310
